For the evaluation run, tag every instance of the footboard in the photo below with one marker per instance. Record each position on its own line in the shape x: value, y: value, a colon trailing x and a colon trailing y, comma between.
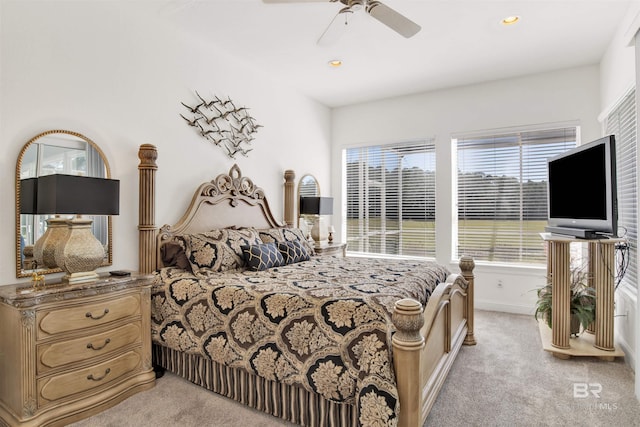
x: 427, y: 341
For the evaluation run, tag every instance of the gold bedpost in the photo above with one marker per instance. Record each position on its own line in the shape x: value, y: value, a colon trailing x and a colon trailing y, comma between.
x: 289, y: 176
x: 466, y: 268
x: 147, y: 208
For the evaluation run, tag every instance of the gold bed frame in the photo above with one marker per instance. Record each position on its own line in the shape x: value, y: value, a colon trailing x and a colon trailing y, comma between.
x: 426, y: 341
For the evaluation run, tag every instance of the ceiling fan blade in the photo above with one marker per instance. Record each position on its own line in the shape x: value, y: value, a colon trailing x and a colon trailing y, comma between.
x: 336, y: 28
x: 392, y: 19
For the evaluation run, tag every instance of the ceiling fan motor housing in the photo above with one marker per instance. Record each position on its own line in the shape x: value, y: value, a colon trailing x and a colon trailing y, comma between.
x: 354, y: 4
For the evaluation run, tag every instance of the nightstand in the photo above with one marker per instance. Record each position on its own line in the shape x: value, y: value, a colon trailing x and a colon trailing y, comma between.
x: 69, y: 351
x: 328, y: 249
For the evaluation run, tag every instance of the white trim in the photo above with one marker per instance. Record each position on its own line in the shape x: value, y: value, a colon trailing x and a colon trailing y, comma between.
x: 632, y: 30
x: 386, y: 141
x: 509, y: 268
x: 615, y: 104
x: 631, y: 295
x: 388, y: 256
x: 504, y: 308
x: 515, y: 129
x: 629, y: 354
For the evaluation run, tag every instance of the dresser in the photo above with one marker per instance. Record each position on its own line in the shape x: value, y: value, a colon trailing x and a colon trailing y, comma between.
x: 69, y: 351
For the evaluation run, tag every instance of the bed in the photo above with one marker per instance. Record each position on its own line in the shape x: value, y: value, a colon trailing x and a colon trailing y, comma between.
x: 317, y: 341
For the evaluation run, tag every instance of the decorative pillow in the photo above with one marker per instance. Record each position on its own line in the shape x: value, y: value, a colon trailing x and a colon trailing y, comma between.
x: 293, y: 252
x: 218, y: 250
x: 279, y: 235
x: 173, y: 254
x: 263, y: 256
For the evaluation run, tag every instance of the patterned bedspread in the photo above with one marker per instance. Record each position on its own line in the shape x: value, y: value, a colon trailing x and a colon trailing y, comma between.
x: 323, y: 324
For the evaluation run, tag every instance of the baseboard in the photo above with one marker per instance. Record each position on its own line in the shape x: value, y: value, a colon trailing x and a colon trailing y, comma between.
x: 626, y: 307
x: 505, y: 308
x: 629, y: 352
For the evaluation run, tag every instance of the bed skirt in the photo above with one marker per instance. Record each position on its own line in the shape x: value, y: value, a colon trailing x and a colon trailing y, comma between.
x: 288, y: 402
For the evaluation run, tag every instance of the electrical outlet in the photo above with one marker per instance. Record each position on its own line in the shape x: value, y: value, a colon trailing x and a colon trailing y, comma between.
x: 499, y: 283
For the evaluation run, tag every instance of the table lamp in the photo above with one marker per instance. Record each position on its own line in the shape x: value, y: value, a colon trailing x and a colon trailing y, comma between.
x: 77, y: 251
x: 317, y: 207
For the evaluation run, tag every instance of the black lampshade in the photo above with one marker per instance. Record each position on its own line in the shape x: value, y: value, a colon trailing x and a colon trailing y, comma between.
x: 316, y: 205
x: 77, y: 195
x: 29, y: 196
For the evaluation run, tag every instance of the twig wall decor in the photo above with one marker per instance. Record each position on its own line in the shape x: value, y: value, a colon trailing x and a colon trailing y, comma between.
x: 222, y: 123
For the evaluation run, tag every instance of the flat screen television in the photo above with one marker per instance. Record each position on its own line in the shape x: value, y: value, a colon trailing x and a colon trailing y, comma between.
x: 582, y: 190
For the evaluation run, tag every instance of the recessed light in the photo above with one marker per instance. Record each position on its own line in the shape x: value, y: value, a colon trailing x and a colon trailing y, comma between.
x: 335, y: 63
x: 510, y: 20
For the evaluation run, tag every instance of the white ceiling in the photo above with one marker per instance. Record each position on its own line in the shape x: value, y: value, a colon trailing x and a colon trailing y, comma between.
x: 461, y: 42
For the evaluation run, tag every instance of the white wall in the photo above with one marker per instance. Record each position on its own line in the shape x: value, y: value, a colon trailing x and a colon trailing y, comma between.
x: 566, y: 95
x: 617, y: 67
x: 106, y: 71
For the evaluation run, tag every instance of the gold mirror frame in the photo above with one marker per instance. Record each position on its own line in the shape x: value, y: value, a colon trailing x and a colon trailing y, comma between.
x: 20, y: 272
x: 305, y: 190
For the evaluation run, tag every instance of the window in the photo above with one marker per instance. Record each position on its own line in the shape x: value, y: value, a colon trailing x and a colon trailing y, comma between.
x: 621, y: 122
x: 502, y: 193
x: 390, y: 196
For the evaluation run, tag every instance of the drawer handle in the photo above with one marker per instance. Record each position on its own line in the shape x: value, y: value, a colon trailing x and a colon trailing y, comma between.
x: 92, y: 347
x: 106, y: 310
x: 92, y: 378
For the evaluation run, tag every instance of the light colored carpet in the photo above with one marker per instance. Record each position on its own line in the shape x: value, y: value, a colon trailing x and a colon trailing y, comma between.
x: 505, y: 380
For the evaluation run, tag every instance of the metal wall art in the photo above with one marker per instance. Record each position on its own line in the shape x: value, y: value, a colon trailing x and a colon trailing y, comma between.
x: 222, y: 123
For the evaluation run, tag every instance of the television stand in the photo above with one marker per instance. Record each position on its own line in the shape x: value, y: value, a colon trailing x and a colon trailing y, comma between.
x: 601, y: 272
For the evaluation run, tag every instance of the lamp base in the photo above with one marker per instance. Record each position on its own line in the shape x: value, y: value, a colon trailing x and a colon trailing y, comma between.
x: 81, y: 253
x: 319, y: 231
x: 84, y: 276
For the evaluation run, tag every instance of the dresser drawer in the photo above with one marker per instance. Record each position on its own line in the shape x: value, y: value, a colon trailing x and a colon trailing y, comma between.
x: 71, y: 383
x: 56, y: 354
x: 84, y: 316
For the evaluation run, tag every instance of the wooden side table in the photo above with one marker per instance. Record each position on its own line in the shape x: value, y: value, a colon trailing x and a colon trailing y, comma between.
x: 329, y: 249
x: 69, y: 351
x: 602, y: 271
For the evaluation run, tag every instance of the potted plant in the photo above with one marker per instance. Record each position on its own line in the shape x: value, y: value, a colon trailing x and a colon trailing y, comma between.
x: 582, y: 303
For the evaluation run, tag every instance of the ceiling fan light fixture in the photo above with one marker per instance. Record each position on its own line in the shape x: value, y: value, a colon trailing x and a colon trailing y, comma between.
x: 355, y: 5
x: 510, y: 20
x: 335, y: 63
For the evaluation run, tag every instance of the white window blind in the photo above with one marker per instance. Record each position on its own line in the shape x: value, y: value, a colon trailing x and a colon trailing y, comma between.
x: 502, y: 193
x: 621, y: 122
x: 391, y: 199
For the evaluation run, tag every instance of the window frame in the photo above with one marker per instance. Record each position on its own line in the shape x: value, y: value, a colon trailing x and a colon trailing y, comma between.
x: 430, y: 144
x: 518, y: 131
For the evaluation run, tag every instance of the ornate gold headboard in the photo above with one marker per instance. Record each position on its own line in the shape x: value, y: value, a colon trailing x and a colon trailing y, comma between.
x: 228, y: 200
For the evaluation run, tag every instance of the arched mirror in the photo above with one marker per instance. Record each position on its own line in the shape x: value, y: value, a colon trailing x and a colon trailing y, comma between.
x: 56, y: 152
x: 308, y: 186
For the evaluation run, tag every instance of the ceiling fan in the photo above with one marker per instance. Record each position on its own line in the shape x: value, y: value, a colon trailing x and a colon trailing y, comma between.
x: 383, y: 13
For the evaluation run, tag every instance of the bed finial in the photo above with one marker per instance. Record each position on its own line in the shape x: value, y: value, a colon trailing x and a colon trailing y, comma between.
x: 148, y: 153
x: 408, y: 320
